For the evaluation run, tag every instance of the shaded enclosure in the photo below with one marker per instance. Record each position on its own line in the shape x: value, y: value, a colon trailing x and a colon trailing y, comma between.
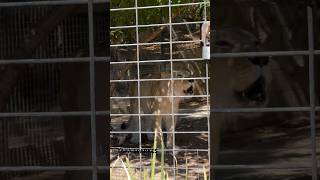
x: 48, y: 110
x: 266, y: 90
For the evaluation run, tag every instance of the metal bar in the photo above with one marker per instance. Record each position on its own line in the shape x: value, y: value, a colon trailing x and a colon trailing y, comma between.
x: 234, y: 55
x: 165, y: 132
x: 154, y: 25
x: 236, y: 110
x: 275, y: 167
x: 166, y: 167
x: 164, y: 79
x: 157, y: 61
x: 45, y: 168
x: 48, y: 3
x: 154, y: 43
x: 138, y: 76
x: 102, y: 59
x: 50, y: 114
x: 37, y: 61
x: 237, y: 167
x: 176, y: 114
x: 159, y: 6
x: 267, y: 109
x: 147, y: 97
x: 92, y: 93
x: 52, y: 60
x: 312, y: 95
x: 190, y: 150
x: 255, y: 54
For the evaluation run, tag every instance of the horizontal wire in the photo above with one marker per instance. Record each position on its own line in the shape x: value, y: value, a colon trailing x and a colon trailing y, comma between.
x: 51, y: 114
x: 155, y: 25
x: 217, y: 110
x: 254, y: 54
x: 84, y: 168
x: 148, y: 97
x: 175, y: 114
x: 157, y: 61
x: 43, y: 3
x: 274, y: 167
x: 52, y: 60
x: 260, y: 109
x: 164, y: 79
x: 221, y: 56
x: 144, y: 148
x: 45, y: 168
x: 159, y: 6
x: 165, y: 132
x: 107, y: 59
x: 154, y: 43
x: 193, y: 167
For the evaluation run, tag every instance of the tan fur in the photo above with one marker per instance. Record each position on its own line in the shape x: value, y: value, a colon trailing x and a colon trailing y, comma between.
x: 235, y: 75
x: 157, y: 106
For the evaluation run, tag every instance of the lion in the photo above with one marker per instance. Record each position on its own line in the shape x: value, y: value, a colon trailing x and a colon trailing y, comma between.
x: 248, y: 82
x: 244, y: 82
x: 163, y: 103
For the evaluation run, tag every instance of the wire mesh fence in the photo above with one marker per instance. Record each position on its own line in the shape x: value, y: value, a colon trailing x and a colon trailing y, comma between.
x: 156, y: 58
x: 154, y: 47
x: 44, y: 46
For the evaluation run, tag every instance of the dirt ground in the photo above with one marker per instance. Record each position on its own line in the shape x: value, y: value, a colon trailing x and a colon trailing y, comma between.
x: 285, y: 146
x: 280, y: 151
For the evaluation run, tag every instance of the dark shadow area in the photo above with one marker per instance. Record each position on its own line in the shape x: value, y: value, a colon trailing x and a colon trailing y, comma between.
x: 45, y: 71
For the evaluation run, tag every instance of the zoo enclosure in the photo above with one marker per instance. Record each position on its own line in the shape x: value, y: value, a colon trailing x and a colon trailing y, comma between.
x: 312, y: 108
x: 154, y: 48
x: 39, y: 40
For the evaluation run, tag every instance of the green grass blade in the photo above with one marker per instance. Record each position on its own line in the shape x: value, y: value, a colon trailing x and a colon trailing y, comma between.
x: 205, y: 173
x: 162, y: 160
x: 176, y: 164
x: 125, y: 169
x: 129, y: 170
x: 145, y: 174
x: 154, y: 155
x: 111, y: 168
x: 186, y: 169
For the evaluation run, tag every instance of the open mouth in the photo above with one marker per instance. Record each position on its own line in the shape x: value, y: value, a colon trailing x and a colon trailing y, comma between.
x: 189, y: 90
x: 254, y: 94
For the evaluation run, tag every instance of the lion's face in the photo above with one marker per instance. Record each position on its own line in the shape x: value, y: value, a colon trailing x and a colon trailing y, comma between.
x: 243, y: 81
x: 183, y: 87
x: 250, y: 82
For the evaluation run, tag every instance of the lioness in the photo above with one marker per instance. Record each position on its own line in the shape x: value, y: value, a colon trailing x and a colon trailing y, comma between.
x: 244, y: 82
x: 157, y: 106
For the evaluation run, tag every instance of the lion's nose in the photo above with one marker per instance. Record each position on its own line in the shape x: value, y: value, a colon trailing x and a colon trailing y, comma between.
x: 191, y: 80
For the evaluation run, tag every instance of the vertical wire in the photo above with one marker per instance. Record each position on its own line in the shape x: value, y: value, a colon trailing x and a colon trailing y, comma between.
x: 172, y: 99
x: 92, y: 92
x: 207, y: 93
x: 138, y: 76
x: 312, y: 93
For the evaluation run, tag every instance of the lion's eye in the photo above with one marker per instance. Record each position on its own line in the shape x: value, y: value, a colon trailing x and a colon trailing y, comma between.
x: 179, y: 76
